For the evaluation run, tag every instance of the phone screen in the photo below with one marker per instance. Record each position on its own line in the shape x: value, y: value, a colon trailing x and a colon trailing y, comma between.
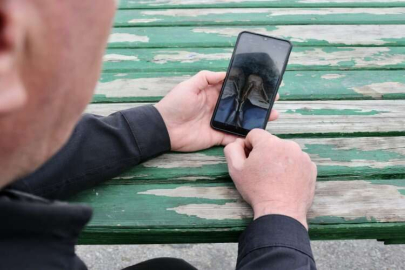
x: 251, y: 85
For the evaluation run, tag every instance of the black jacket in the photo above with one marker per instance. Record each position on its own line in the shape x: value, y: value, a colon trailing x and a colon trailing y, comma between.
x: 37, y: 232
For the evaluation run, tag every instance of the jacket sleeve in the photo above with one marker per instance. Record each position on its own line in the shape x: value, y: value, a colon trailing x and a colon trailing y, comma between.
x: 100, y: 148
x: 275, y: 242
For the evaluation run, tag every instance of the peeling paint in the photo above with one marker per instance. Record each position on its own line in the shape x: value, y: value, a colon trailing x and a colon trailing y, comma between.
x: 124, y: 37
x: 189, y: 57
x: 374, y: 34
x: 349, y: 200
x: 119, y: 57
x: 184, y: 161
x: 142, y: 87
x: 332, y: 76
x: 378, y: 90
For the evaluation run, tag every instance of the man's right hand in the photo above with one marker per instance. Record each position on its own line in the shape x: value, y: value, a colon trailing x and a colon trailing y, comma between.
x: 273, y: 175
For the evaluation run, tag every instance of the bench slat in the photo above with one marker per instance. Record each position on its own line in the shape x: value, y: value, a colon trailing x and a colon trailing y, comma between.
x: 303, y: 58
x: 318, y: 118
x: 297, y: 85
x: 221, y: 36
x: 150, y: 4
x: 203, y: 209
x: 348, y: 158
x: 259, y: 16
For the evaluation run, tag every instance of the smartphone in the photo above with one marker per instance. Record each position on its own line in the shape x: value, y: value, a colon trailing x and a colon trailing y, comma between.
x: 254, y: 75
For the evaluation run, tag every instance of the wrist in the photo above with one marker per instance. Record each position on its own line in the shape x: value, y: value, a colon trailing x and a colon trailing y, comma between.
x: 169, y: 127
x: 260, y: 210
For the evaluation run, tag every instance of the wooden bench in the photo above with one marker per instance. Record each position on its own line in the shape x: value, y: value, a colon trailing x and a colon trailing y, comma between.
x: 342, y: 100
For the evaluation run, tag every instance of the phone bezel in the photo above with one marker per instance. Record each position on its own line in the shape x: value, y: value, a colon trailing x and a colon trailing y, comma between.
x: 237, y: 130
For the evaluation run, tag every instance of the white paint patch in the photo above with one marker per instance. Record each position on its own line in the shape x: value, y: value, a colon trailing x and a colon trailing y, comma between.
x: 119, y: 58
x: 332, y: 34
x: 377, y: 90
x: 142, y: 87
x: 343, y: 199
x: 143, y: 20
x: 332, y: 76
x: 124, y: 37
x: 195, y: 160
x: 336, y: 11
x: 189, y: 57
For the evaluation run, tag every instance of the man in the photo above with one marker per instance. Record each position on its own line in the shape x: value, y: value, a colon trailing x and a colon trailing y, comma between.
x: 49, y: 64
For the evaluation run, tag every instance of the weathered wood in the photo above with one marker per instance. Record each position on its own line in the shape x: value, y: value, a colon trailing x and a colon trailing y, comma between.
x: 308, y: 58
x: 297, y: 85
x: 259, y: 16
x: 199, y: 209
x: 221, y: 36
x: 317, y: 118
x: 337, y: 158
x: 150, y: 4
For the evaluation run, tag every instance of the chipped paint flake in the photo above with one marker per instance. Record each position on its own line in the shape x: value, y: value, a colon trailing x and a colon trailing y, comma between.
x: 332, y: 76
x: 378, y: 90
x: 124, y: 37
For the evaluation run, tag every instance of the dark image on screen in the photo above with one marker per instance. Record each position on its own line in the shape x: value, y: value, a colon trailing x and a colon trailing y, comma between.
x: 250, y: 87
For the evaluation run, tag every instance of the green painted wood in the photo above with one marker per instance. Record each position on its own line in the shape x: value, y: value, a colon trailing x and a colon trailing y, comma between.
x: 297, y: 85
x: 217, y: 59
x: 337, y: 158
x: 143, y: 211
x: 221, y: 36
x: 319, y: 118
x: 259, y: 16
x: 151, y: 4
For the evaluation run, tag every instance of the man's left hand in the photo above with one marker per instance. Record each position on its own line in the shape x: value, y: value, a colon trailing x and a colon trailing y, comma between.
x: 187, y: 110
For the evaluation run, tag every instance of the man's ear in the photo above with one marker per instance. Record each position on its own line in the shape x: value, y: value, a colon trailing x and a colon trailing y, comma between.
x: 12, y: 92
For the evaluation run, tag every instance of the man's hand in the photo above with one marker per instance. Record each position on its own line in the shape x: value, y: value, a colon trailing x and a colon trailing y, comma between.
x: 187, y: 111
x: 273, y: 175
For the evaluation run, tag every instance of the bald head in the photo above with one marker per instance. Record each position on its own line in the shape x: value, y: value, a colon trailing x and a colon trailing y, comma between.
x: 50, y: 59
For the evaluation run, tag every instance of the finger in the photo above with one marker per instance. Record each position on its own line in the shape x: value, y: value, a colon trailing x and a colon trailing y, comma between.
x: 278, y: 96
x: 255, y: 136
x: 273, y: 115
x: 235, y: 154
x: 204, y: 78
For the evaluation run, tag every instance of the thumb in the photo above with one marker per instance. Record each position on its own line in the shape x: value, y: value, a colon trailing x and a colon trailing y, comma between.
x: 235, y: 154
x: 204, y: 78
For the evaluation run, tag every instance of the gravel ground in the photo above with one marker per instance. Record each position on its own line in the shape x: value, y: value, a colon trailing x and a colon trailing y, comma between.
x: 364, y: 254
